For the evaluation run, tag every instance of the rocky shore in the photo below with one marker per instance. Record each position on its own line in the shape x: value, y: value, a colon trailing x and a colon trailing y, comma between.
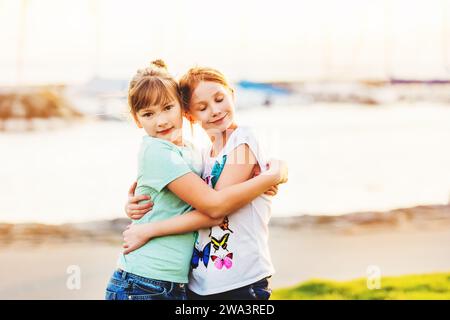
x: 109, y: 231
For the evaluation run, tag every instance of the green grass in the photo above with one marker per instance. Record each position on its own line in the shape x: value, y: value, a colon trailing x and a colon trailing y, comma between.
x: 409, y: 287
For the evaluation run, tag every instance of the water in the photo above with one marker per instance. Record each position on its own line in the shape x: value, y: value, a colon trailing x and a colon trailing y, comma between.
x: 342, y: 158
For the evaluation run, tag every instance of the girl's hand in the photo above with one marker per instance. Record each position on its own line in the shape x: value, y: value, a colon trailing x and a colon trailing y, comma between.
x: 279, y: 169
x: 273, y: 190
x: 135, y: 236
x: 134, y: 210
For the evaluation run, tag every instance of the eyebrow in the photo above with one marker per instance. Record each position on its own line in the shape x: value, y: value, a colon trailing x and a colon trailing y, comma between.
x: 146, y: 109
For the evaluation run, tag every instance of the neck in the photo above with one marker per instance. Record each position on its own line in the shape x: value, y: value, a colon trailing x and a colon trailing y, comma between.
x: 219, y: 139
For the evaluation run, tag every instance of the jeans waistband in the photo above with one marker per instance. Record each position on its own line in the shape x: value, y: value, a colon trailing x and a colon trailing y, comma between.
x: 167, y: 284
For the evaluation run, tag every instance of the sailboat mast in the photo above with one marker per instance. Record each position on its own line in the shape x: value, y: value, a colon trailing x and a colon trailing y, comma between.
x: 21, y: 42
x: 387, y: 41
x: 445, y: 35
x: 95, y: 7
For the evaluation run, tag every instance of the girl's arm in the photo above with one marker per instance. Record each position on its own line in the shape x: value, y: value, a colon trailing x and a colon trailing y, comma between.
x: 136, y: 235
x: 218, y: 203
x: 235, y: 171
x: 240, y: 167
x: 136, y: 211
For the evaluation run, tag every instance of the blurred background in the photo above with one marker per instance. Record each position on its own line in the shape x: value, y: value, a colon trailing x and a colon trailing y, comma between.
x: 355, y: 95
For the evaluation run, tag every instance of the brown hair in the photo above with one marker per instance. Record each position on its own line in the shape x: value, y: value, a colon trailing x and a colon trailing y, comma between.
x: 152, y: 86
x: 194, y: 76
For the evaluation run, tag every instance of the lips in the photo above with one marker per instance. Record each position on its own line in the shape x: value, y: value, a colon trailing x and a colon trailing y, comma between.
x: 164, y: 132
x: 219, y: 120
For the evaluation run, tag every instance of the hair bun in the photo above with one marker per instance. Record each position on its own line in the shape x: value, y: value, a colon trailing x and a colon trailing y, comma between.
x: 159, y: 63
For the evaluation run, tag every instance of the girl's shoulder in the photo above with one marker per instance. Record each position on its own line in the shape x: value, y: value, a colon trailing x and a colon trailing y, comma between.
x: 242, y: 135
x: 156, y: 148
x: 148, y: 141
x: 189, y: 145
x: 246, y: 135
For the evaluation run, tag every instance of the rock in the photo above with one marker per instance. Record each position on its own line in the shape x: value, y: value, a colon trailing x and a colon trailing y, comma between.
x: 30, y: 103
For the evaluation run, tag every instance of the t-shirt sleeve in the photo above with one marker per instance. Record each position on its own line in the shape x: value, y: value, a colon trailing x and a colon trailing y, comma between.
x: 246, y: 136
x: 161, y: 163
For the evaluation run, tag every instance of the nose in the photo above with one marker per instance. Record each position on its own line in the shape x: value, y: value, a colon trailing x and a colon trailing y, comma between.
x: 215, y: 110
x: 162, y: 121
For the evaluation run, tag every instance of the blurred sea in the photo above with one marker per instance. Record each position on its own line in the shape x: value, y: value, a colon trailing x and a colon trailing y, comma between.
x: 342, y: 158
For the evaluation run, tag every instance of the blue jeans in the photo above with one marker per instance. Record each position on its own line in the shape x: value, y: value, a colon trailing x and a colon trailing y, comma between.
x: 256, y: 291
x: 128, y: 286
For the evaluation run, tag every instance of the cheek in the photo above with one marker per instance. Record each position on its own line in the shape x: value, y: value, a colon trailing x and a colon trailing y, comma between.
x: 203, y: 120
x: 176, y: 116
x: 200, y: 116
x: 150, y: 124
x: 227, y: 105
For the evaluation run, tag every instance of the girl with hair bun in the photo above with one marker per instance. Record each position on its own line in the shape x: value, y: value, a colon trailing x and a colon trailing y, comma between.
x: 169, y: 170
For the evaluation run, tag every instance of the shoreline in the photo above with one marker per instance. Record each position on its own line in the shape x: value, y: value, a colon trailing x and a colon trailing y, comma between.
x: 421, y: 217
x: 403, y: 241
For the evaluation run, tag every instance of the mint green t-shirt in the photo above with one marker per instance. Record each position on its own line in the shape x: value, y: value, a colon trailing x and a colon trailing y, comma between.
x: 164, y: 258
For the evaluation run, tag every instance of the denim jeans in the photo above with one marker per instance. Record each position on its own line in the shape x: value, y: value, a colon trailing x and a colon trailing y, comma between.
x: 128, y: 286
x: 256, y: 291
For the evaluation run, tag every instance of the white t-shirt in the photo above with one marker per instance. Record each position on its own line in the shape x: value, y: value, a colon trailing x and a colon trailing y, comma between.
x: 236, y: 253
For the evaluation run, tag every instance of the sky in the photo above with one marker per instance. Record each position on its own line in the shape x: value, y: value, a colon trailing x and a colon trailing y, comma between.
x: 71, y: 41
